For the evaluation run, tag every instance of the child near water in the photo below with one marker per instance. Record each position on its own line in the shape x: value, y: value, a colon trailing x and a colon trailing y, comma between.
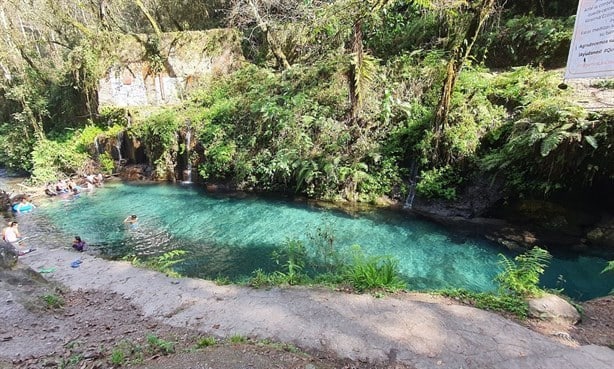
x: 78, y: 244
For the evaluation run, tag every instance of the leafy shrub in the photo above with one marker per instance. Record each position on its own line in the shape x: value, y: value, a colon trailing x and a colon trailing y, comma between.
x: 52, y: 160
x: 522, y: 85
x: 107, y: 164
x: 438, y: 183
x: 158, y: 345
x: 607, y: 84
x: 552, y: 142
x: 117, y: 357
x: 86, y: 138
x: 159, y: 134
x: 15, y: 147
x: 206, y: 342
x: 237, y: 338
x: 53, y: 301
x: 292, y: 256
x: 367, y: 273
x: 530, y: 40
x: 404, y: 27
x: 520, y: 277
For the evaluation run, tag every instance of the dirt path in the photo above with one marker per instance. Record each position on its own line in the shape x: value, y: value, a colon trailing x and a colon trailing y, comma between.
x: 410, y: 329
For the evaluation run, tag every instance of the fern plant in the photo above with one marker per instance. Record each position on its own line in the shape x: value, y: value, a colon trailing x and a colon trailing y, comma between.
x: 372, y: 273
x: 520, y: 276
x: 609, y: 268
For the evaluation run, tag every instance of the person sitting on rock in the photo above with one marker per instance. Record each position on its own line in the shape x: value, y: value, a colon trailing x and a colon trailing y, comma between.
x: 50, y: 190
x: 11, y: 235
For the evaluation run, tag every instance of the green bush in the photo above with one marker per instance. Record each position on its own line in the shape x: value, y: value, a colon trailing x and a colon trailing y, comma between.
x: 53, y: 301
x: 370, y: 273
x: 438, y: 183
x: 553, y: 146
x: 520, y: 277
x: 206, y: 342
x: 107, y: 164
x: 292, y: 257
x: 159, y: 135
x: 160, y: 346
x: 86, y: 138
x: 52, y: 160
x: 16, y: 144
x: 530, y: 40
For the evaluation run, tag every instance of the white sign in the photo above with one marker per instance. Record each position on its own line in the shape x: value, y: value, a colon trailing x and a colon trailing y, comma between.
x: 591, y: 54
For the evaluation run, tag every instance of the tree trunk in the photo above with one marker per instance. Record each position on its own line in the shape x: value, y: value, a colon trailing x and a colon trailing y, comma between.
x: 280, y: 56
x: 357, y: 49
x: 151, y: 19
x: 459, y: 56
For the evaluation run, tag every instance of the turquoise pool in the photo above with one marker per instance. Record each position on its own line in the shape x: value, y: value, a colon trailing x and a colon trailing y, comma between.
x: 232, y: 236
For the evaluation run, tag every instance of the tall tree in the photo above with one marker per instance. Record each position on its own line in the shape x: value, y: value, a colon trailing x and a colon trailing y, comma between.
x: 479, y: 12
x: 270, y: 17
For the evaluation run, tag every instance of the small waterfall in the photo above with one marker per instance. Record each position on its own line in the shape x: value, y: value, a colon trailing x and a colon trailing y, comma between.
x: 97, y: 146
x: 413, y: 181
x: 118, y: 146
x: 187, y: 173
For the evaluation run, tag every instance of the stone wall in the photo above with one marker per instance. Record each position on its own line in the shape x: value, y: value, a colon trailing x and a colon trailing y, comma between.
x: 189, y: 59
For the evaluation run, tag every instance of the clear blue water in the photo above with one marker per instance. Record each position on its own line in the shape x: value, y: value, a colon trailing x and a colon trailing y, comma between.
x: 232, y: 237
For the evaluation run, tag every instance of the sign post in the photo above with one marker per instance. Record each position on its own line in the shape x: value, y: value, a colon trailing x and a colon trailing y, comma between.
x: 591, y: 54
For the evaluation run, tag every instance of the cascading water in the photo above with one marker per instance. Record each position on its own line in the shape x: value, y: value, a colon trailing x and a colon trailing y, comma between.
x: 413, y: 181
x: 97, y: 146
x: 187, y: 173
x: 118, y: 146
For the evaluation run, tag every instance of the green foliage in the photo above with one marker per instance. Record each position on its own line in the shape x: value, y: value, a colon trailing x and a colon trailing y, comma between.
x: 438, y: 183
x: 206, y: 342
x: 127, y: 352
x: 609, y: 268
x: 606, y: 84
x: 52, y: 160
x: 489, y: 301
x: 370, y: 273
x: 106, y: 162
x: 530, y: 40
x: 292, y: 258
x: 262, y: 279
x: 71, y: 362
x: 163, y: 263
x: 160, y: 346
x: 554, y: 145
x: 16, y: 144
x: 237, y: 338
x: 403, y: 27
x: 520, y: 277
x: 53, y: 301
x: 159, y: 134
x: 86, y: 138
x: 523, y: 85
x: 117, y: 357
x: 222, y: 281
x: 281, y: 131
x: 327, y: 258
